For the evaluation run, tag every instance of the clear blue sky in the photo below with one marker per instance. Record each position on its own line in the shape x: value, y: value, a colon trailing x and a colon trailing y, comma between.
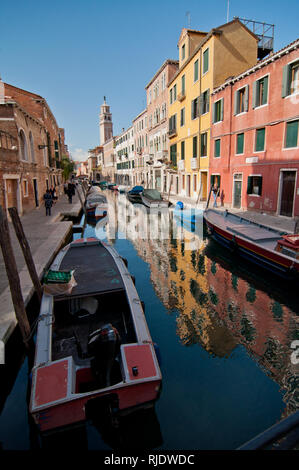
x: 75, y: 52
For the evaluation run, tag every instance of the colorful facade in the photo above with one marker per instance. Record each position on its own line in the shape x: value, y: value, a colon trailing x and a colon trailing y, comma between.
x: 254, y: 144
x: 206, y: 60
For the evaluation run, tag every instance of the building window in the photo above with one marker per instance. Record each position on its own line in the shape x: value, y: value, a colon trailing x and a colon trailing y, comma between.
x: 203, y: 144
x: 291, y: 139
x: 23, y: 146
x: 260, y: 92
x: 183, y: 150
x: 217, y: 148
x: 25, y: 188
x: 183, y: 85
x: 290, y: 79
x: 182, y: 117
x: 194, y: 109
x: 254, y: 185
x: 31, y: 147
x: 218, y: 111
x: 196, y: 71
x: 240, y: 144
x: 205, y: 102
x: 183, y: 52
x: 241, y: 100
x: 205, y: 65
x: 195, y: 147
x: 173, y: 154
x: 194, y: 183
x: 174, y: 93
x: 170, y: 96
x: 260, y: 140
x: 172, y: 124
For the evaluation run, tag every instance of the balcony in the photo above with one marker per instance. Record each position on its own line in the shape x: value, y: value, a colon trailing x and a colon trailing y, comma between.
x: 172, y: 132
x: 194, y: 164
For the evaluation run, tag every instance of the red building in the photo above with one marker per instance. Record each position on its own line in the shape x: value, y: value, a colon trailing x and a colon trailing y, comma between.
x: 254, y: 136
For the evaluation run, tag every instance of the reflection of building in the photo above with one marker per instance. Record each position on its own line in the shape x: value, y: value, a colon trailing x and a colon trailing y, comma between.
x: 262, y: 324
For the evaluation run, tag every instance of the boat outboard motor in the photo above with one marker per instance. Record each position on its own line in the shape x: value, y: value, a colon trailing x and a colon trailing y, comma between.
x: 103, y: 346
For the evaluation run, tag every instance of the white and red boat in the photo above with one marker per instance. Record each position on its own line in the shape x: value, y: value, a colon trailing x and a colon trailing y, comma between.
x: 93, y: 343
x: 266, y: 247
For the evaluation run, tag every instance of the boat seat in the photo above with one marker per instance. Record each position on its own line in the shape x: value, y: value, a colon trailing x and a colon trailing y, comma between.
x: 257, y: 234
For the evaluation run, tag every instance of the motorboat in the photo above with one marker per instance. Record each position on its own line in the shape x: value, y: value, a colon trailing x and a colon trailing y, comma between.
x: 152, y: 198
x: 93, y: 344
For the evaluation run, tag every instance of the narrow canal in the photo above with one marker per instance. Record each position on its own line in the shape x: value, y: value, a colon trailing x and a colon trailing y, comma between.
x: 225, y: 335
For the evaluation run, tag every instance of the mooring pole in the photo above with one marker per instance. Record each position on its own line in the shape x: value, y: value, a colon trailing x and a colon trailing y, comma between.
x: 83, y: 206
x: 26, y: 250
x: 13, y: 278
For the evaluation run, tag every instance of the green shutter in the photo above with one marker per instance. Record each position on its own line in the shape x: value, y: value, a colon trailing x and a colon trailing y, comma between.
x: 265, y: 91
x: 240, y: 143
x: 206, y: 61
x: 260, y: 140
x: 236, y: 102
x: 292, y: 134
x: 260, y: 185
x: 201, y: 102
x: 196, y: 70
x: 246, y: 98
x: 208, y: 100
x: 213, y: 112
x: 194, y: 147
x: 255, y: 84
x: 217, y: 148
x: 182, y: 150
x: 285, y: 81
x: 221, y: 109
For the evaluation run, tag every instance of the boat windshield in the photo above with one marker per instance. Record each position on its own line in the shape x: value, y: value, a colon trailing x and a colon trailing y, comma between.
x: 152, y: 194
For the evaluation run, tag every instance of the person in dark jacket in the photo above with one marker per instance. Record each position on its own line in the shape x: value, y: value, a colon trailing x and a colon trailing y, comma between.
x: 69, y: 192
x: 48, y: 201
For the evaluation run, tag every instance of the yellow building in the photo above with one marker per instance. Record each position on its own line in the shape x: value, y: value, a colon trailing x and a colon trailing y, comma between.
x: 205, y: 61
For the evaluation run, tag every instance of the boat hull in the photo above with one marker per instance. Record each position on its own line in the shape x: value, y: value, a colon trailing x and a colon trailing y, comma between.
x: 154, y: 204
x: 267, y: 259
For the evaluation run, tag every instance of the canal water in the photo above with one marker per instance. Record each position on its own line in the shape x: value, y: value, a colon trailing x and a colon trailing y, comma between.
x: 226, y: 335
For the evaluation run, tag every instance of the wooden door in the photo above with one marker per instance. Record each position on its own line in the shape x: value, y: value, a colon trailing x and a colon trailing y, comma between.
x: 288, y: 179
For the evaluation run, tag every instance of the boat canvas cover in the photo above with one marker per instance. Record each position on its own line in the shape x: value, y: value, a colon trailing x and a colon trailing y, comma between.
x: 136, y: 190
x: 96, y: 198
x: 152, y: 194
x: 95, y: 270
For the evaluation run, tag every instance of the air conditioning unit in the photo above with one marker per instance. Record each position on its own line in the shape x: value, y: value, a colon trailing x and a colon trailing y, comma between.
x: 194, y: 163
x: 181, y: 165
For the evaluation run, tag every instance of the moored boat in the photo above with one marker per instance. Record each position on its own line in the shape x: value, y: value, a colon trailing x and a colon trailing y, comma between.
x: 264, y: 246
x: 134, y: 195
x: 152, y: 198
x: 93, y: 200
x: 92, y: 342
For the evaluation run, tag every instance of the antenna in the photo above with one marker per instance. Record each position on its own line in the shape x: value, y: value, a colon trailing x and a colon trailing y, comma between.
x: 227, y: 16
x: 189, y: 18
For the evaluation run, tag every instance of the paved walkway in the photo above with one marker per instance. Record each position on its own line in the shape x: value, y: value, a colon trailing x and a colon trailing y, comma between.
x: 45, y: 235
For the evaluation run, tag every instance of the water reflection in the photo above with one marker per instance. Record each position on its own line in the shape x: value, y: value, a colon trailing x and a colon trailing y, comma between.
x: 219, y: 304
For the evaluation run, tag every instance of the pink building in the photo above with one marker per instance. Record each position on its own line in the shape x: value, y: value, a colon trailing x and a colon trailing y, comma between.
x: 254, y: 136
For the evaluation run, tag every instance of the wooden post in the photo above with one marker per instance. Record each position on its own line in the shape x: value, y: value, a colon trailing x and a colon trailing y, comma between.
x: 26, y: 250
x: 13, y: 278
x: 83, y: 206
x: 199, y: 193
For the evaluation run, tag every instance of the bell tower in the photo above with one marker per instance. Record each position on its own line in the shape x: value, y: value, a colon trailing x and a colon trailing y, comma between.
x: 106, y: 126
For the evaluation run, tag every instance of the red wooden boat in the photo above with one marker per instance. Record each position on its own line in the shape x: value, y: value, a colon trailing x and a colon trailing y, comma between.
x: 271, y: 249
x: 92, y: 342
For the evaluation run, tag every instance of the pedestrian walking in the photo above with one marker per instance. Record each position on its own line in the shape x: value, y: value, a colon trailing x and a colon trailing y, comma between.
x: 53, y: 194
x: 69, y: 192
x: 48, y: 201
x: 215, y: 194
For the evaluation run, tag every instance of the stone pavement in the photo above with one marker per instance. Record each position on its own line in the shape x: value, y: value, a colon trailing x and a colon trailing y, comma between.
x: 45, y: 235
